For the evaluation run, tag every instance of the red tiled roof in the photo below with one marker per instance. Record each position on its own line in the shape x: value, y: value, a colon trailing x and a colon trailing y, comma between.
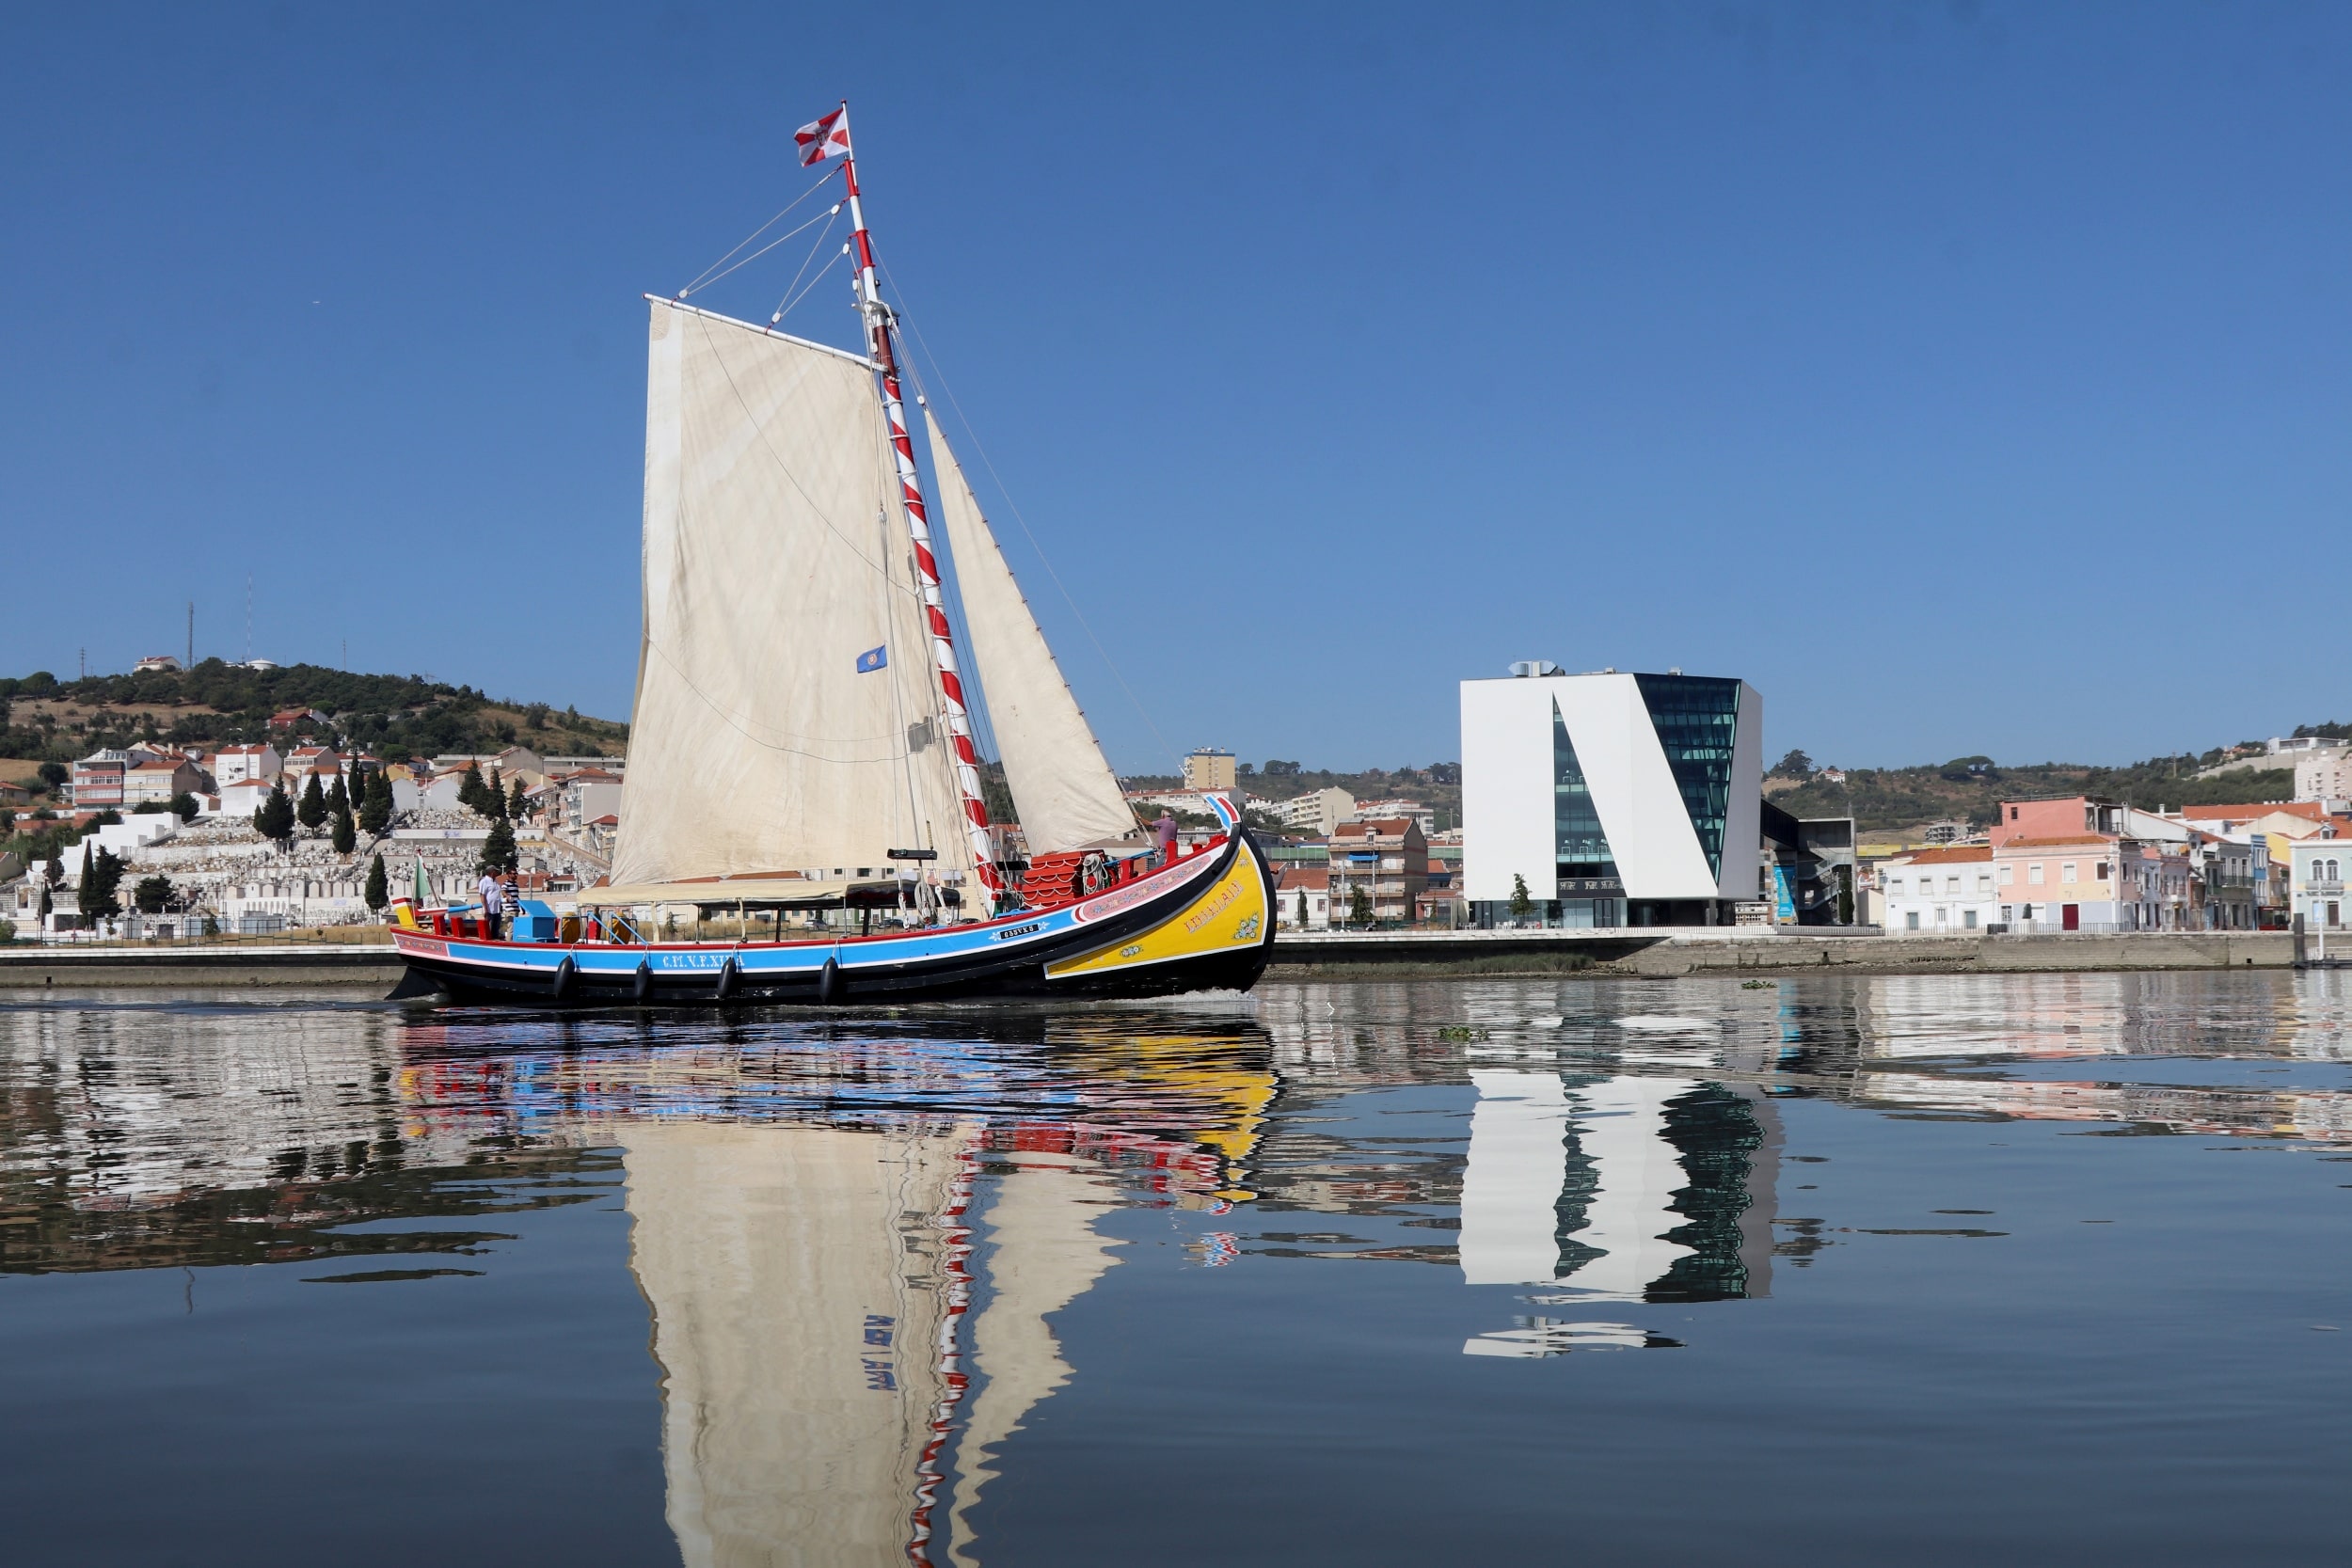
x: 2057, y: 843
x: 1312, y: 878
x: 2312, y: 809
x: 1955, y: 854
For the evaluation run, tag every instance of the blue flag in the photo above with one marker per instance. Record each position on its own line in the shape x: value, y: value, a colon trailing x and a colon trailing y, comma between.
x: 871, y: 661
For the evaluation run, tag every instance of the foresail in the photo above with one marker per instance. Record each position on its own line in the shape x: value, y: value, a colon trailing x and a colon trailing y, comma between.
x: 1063, y: 790
x: 786, y: 701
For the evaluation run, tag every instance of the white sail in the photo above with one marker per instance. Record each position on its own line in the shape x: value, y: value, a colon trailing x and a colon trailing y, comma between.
x: 798, y: 1289
x: 1042, y: 1254
x: 774, y: 558
x: 1063, y: 790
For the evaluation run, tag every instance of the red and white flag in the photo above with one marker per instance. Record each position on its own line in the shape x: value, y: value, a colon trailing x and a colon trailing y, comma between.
x: 824, y: 138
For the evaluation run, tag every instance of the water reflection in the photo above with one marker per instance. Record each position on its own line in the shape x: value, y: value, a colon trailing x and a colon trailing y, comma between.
x: 858, y: 1240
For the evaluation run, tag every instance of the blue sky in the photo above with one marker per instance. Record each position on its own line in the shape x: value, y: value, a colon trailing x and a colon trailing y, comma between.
x: 1971, y: 378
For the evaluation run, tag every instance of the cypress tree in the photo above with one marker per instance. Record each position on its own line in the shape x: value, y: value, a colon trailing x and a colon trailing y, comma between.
x: 378, y: 893
x: 312, y: 811
x: 274, y: 818
x: 346, y: 835
x: 515, y: 805
x: 498, y: 852
x: 493, y: 797
x: 102, y: 881
x: 86, y: 894
x: 469, y: 788
x: 338, y: 798
x: 375, y: 804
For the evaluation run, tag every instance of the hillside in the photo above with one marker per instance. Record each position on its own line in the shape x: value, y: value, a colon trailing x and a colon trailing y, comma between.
x: 45, y: 719
x: 1970, y: 789
x: 1437, y: 785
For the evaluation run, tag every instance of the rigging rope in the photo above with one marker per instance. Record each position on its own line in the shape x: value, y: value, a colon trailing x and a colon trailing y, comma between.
x: 826, y: 217
x: 755, y: 233
x: 1005, y: 491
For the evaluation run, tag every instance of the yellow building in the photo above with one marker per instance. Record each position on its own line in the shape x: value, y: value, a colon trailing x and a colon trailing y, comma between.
x: 1209, y: 768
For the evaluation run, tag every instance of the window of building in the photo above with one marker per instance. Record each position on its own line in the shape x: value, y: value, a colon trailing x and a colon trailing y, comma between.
x: 2033, y: 873
x: 1985, y: 883
x: 1580, y: 847
x: 2009, y: 874
x: 1893, y: 884
x: 2102, y: 872
x: 1697, y: 718
x: 1968, y: 919
x: 2066, y: 872
x: 1911, y: 920
x: 1951, y: 886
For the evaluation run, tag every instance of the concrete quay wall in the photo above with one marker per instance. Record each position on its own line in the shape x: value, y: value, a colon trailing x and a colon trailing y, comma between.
x: 1303, y: 955
x: 195, y: 967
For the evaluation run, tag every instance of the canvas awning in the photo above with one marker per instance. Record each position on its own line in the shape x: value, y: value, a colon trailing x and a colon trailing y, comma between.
x: 727, y: 891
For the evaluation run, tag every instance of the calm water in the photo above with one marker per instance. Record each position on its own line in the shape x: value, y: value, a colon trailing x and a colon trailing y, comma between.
x: 2041, y: 1269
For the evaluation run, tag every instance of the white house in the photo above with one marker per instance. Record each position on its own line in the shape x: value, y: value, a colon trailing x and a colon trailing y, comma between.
x: 1303, y: 901
x: 1319, y: 812
x: 2316, y: 869
x: 1939, y: 890
x: 241, y: 763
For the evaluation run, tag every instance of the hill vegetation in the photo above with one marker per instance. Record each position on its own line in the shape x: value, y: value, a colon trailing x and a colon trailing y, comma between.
x: 43, y: 718
x: 1971, y: 789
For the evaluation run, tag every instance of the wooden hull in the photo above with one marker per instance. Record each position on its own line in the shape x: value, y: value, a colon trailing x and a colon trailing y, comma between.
x: 1202, y: 924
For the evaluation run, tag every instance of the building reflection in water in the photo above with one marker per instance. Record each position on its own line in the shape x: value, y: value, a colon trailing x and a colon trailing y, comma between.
x: 1619, y: 1189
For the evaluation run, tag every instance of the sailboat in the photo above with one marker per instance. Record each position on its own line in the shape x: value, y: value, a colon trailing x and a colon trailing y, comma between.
x: 802, y: 755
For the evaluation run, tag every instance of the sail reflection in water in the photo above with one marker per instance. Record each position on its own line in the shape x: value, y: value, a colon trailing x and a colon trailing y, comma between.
x: 851, y: 1292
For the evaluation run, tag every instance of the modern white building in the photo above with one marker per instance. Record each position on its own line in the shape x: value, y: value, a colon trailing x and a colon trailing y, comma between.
x: 2323, y: 774
x: 1320, y: 812
x: 1611, y: 798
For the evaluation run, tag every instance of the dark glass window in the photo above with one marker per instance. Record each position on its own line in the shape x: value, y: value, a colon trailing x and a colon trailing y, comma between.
x: 1698, y: 719
x: 1582, y: 848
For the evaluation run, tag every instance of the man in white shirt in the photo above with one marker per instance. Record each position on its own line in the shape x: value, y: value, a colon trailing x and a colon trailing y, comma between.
x: 493, y: 904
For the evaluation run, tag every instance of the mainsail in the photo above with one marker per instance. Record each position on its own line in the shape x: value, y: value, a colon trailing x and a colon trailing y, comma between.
x: 766, y: 735
x: 1064, y: 791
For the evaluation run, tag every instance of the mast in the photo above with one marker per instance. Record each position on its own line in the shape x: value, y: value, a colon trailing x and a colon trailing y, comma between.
x: 883, y: 343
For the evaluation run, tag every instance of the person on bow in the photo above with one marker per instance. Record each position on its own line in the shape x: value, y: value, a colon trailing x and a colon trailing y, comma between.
x: 1164, y: 835
x: 493, y: 904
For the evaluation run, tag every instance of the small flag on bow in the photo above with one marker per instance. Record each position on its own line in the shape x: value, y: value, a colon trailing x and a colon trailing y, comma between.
x: 824, y: 138
x: 871, y: 661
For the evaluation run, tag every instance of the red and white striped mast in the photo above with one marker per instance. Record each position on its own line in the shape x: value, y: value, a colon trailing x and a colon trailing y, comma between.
x: 833, y: 138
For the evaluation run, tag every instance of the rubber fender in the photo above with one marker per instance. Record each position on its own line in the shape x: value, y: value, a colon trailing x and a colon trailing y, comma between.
x: 563, y: 972
x: 644, y: 986
x: 829, y: 982
x: 726, y: 978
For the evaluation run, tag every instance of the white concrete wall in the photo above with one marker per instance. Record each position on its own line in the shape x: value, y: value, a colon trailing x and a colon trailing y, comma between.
x: 1507, y: 788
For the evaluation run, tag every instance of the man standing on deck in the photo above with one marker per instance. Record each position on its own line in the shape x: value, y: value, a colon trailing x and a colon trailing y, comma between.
x: 1164, y: 834
x: 493, y: 904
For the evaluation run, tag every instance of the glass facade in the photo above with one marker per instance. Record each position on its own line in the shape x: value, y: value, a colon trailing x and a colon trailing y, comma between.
x: 1587, y: 867
x: 1698, y: 719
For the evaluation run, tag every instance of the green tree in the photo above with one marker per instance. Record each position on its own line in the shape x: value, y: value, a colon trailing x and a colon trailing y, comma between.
x: 100, y: 894
x: 498, y: 852
x: 517, y: 808
x: 152, y: 894
x: 1521, y: 905
x: 379, y: 891
x: 346, y: 835
x: 312, y: 811
x: 375, y: 804
x: 55, y: 775
x: 184, y: 806
x: 493, y: 797
x: 1301, y: 920
x: 338, y: 798
x: 469, y: 788
x: 1358, y: 905
x: 274, y: 818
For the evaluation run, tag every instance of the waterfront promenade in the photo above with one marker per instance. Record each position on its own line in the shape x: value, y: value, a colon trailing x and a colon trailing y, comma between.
x: 1304, y: 954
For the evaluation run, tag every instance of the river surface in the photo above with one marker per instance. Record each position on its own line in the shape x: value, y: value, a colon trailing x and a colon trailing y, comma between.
x: 2029, y: 1269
